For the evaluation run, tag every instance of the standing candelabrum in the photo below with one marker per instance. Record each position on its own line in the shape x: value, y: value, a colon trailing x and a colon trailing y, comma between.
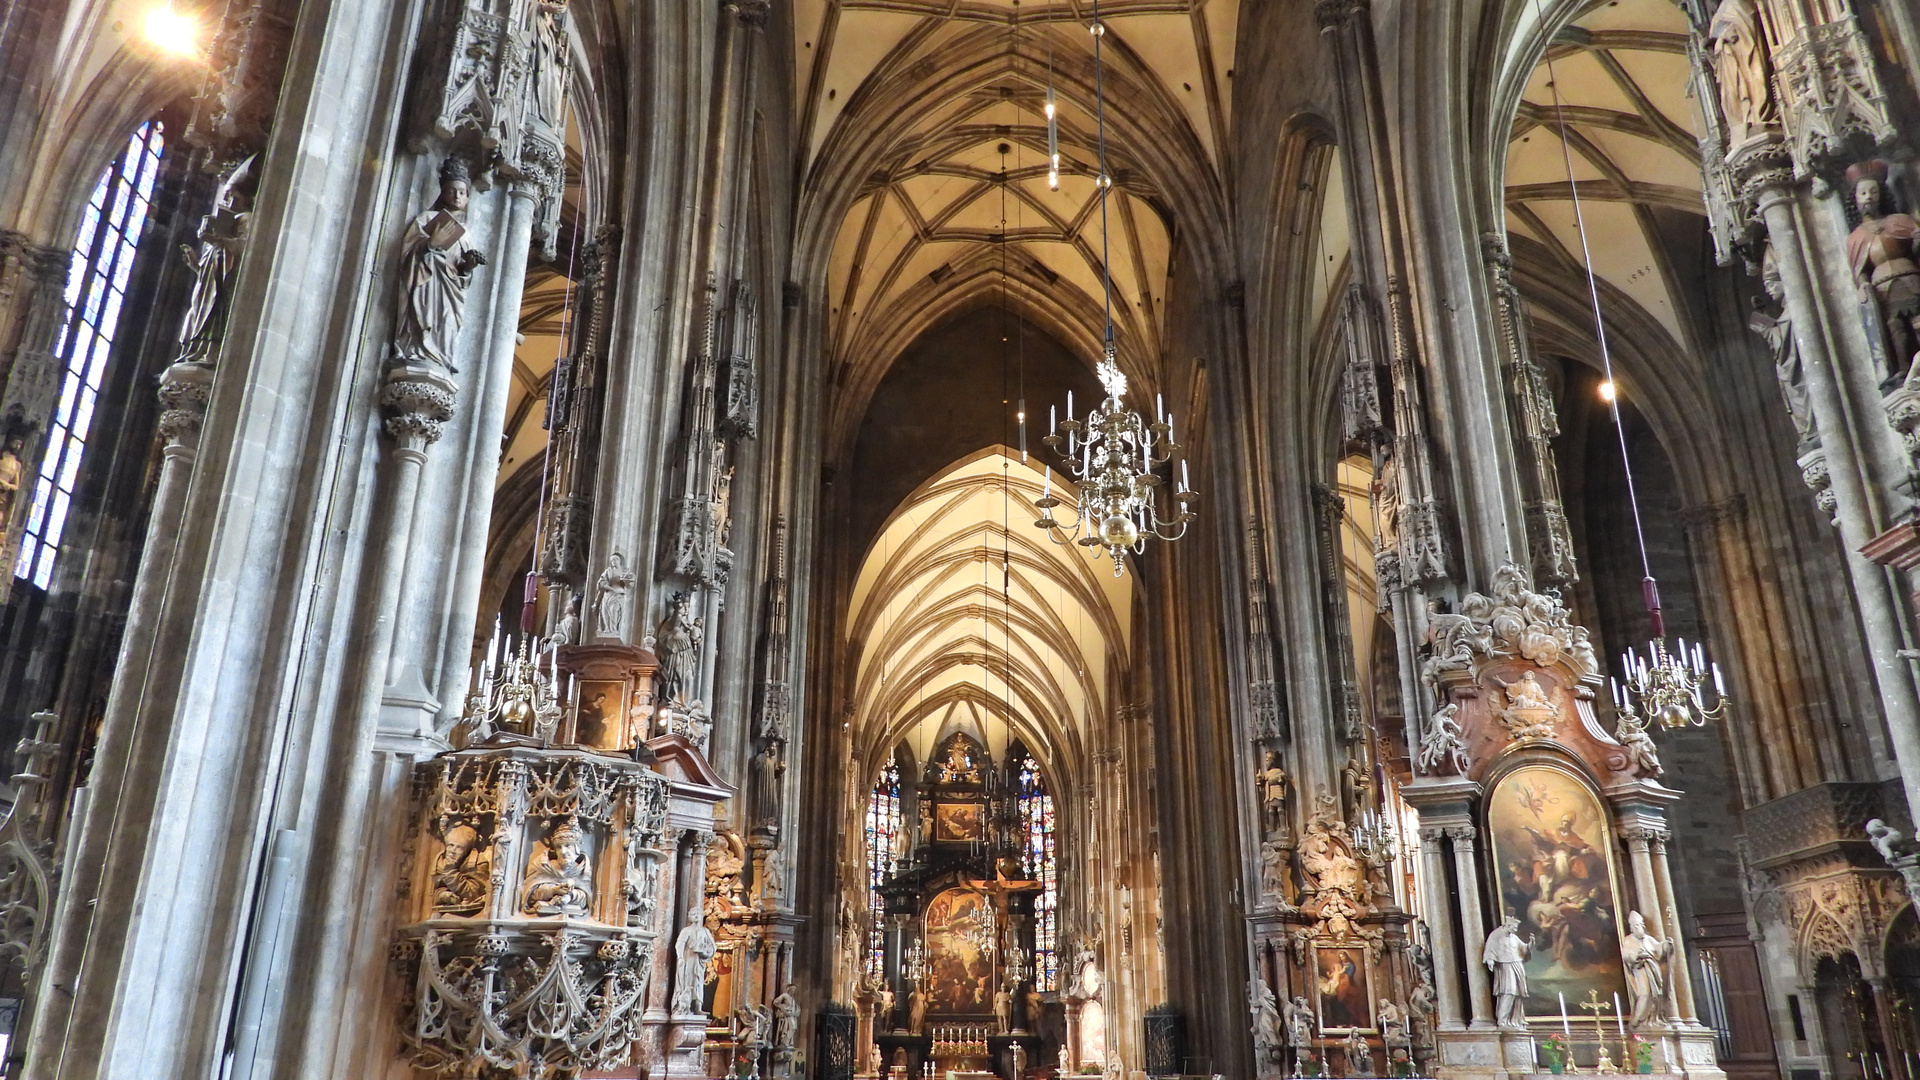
x: 1670, y: 687
x: 1113, y: 456
x: 913, y: 962
x: 1377, y: 844
x: 513, y: 692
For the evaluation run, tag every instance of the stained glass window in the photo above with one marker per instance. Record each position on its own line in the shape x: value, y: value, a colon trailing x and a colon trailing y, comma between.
x: 1042, y: 865
x: 883, y: 849
x: 96, y: 286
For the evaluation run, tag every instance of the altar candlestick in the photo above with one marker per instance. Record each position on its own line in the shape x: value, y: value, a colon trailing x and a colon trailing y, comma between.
x: 1621, y: 1020
x: 1566, y: 1025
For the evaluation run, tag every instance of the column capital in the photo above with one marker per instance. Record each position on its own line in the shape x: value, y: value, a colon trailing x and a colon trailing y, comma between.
x: 184, y: 391
x: 417, y: 401
x: 1462, y: 834
x: 1337, y: 14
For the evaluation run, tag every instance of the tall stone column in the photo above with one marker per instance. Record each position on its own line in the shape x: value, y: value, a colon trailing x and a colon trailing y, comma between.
x: 1856, y: 512
x: 1446, y: 929
x: 1646, y: 895
x: 1670, y: 919
x: 1473, y: 923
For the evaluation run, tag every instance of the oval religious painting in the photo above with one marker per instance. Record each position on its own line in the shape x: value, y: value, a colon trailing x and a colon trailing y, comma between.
x: 1552, y: 850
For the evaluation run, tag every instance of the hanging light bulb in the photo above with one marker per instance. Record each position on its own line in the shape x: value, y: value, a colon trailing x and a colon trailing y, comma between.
x: 171, y: 31
x: 1115, y: 454
x: 1053, y: 140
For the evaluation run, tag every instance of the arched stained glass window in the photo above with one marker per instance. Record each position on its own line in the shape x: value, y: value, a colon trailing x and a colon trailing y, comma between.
x: 1041, y: 863
x: 883, y: 849
x: 96, y: 286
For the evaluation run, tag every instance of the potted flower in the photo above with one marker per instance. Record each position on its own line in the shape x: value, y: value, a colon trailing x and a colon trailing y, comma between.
x: 1554, y: 1048
x: 1640, y: 1052
x: 1401, y: 1063
x: 1310, y: 1064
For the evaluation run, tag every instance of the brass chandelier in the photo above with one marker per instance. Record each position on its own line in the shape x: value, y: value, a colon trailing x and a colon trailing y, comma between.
x: 1115, y: 454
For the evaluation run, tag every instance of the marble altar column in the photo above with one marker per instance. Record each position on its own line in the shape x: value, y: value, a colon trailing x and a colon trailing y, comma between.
x: 1681, y: 975
x: 1473, y: 923
x: 1446, y: 932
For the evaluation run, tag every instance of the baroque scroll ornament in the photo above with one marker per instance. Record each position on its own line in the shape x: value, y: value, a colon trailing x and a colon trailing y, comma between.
x: 1513, y: 622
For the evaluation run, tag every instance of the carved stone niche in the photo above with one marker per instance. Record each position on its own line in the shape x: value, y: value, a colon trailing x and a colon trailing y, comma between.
x: 530, y: 910
x: 612, y: 699
x: 1521, y: 673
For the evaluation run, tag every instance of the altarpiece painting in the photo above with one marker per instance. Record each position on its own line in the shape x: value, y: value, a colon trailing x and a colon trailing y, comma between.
x: 1551, y: 839
x: 959, y: 934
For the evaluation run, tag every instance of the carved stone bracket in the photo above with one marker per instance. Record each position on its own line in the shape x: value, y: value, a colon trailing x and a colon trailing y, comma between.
x: 417, y: 401
x: 184, y: 392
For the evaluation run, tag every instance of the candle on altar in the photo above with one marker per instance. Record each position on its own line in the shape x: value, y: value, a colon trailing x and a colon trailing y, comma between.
x: 1621, y: 1020
x: 1566, y: 1025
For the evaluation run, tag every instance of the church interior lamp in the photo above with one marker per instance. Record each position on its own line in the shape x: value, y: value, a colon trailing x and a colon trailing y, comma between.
x: 1114, y: 455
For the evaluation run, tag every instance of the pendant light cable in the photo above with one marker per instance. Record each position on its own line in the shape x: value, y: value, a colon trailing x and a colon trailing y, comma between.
x: 1650, y: 589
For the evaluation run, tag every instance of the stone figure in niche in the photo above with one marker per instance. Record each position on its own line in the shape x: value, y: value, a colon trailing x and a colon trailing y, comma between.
x: 1881, y: 251
x: 767, y: 769
x: 641, y: 888
x: 1273, y: 794
x: 1300, y: 1024
x: 561, y: 883
x: 436, y: 267
x: 1777, y: 332
x: 1506, y: 955
x: 223, y: 234
x: 692, y: 949
x: 1266, y: 1018
x: 610, y: 599
x: 678, y: 643
x: 550, y: 64
x: 1740, y: 67
x: 462, y: 873
x: 1645, y: 958
x: 1386, y: 507
x: 10, y: 470
x: 567, y: 630
x: 1443, y: 746
x: 786, y: 1019
x: 773, y: 875
x: 1273, y: 870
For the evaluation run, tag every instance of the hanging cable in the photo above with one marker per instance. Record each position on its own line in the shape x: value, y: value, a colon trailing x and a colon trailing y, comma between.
x: 1649, y: 588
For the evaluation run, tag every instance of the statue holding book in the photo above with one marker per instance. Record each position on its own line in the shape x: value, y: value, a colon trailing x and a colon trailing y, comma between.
x: 437, y: 263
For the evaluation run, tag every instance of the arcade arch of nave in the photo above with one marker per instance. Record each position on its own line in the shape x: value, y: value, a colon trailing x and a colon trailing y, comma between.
x: 573, y: 605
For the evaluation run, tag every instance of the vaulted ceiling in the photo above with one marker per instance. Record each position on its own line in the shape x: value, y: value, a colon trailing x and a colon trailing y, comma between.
x: 964, y: 613
x: 943, y: 105
x: 1617, y: 81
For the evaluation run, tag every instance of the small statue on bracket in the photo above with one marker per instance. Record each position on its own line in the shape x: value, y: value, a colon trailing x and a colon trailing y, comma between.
x: 437, y: 262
